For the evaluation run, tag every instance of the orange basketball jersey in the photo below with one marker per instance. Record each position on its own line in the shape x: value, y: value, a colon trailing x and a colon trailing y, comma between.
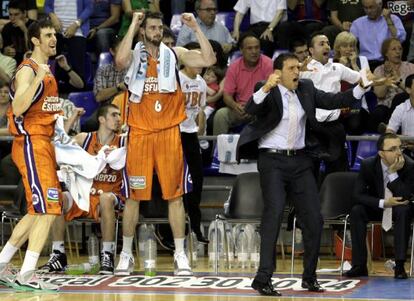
x: 156, y: 111
x: 109, y: 180
x: 40, y: 118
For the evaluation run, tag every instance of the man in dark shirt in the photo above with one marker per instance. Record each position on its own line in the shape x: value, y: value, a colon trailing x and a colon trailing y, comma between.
x: 15, y: 32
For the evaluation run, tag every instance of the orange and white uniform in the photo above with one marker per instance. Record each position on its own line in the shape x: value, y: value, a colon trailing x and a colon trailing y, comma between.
x: 32, y: 151
x: 154, y: 140
x: 108, y: 180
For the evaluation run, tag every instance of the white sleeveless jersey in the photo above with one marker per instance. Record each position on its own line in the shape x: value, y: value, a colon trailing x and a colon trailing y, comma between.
x: 195, y: 91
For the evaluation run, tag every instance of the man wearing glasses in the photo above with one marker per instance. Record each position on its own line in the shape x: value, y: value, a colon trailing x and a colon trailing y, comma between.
x: 206, y: 18
x: 383, y: 191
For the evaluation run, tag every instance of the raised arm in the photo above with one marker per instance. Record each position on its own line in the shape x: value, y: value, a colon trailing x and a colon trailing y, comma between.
x: 124, y: 55
x: 193, y: 58
x: 26, y: 84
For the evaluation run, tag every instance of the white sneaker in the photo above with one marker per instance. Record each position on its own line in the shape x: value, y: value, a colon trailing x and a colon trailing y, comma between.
x: 7, y: 275
x: 30, y: 282
x: 181, y: 265
x: 125, y: 265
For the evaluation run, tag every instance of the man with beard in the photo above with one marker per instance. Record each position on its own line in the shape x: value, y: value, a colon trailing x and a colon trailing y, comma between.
x: 156, y: 109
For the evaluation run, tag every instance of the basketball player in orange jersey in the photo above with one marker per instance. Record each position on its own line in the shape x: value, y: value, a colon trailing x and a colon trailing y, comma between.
x: 105, y: 194
x: 154, y: 135
x: 35, y: 104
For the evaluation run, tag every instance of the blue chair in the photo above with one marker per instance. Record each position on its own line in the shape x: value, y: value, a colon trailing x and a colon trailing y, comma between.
x: 84, y: 100
x: 365, y: 149
x: 105, y: 58
x: 229, y: 20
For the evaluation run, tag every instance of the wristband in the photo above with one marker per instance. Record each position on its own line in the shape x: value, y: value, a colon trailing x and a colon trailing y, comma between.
x: 70, y: 69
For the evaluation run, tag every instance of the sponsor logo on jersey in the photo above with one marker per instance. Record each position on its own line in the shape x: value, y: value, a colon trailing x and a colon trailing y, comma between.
x: 151, y: 85
x: 52, y: 195
x: 51, y: 104
x: 137, y: 182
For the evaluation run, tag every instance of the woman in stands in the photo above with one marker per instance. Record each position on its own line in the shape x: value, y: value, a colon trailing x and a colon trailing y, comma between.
x: 393, y: 68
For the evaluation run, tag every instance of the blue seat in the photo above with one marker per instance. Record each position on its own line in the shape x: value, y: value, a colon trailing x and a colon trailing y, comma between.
x: 89, y: 72
x: 227, y: 19
x: 365, y: 149
x: 84, y: 100
x: 213, y: 169
x: 105, y: 58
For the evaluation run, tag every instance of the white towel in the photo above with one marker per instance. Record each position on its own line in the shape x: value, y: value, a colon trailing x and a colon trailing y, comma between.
x: 227, y: 146
x: 135, y: 77
x: 78, y: 168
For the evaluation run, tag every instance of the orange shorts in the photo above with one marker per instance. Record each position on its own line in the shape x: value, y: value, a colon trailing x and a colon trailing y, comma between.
x: 94, y: 213
x: 34, y: 156
x: 161, y: 151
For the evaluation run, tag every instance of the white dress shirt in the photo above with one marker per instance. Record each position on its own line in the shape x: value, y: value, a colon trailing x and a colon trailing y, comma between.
x: 403, y: 116
x: 261, y: 11
x: 328, y: 78
x: 278, y: 137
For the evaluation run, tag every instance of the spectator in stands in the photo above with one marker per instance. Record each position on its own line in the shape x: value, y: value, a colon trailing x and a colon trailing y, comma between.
x: 30, y: 6
x: 383, y: 190
x: 403, y: 116
x: 346, y: 52
x: 108, y: 82
x: 241, y: 77
x: 7, y: 65
x: 299, y: 48
x: 304, y: 19
x: 71, y: 21
x: 342, y: 14
x: 131, y: 6
x: 327, y: 76
x: 14, y: 33
x: 404, y: 10
x: 69, y: 79
x: 395, y: 69
x: 213, y: 30
x: 213, y: 77
x: 371, y: 30
x: 265, y: 16
x: 104, y: 22
x: 168, y: 37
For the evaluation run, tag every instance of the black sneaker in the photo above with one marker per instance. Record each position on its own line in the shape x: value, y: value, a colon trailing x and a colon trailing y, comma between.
x: 201, y: 239
x: 165, y: 243
x: 107, y: 263
x: 57, y: 263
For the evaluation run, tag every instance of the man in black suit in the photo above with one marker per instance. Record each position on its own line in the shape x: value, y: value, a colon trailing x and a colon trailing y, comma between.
x: 384, y: 181
x: 284, y: 106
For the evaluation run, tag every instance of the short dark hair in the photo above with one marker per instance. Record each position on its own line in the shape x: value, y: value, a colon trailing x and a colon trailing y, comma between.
x: 36, y: 26
x: 103, y: 110
x: 151, y: 15
x: 383, y: 137
x: 246, y: 35
x: 280, y: 60
x: 168, y: 33
x: 409, y: 81
x: 313, y: 36
x: 297, y: 43
x: 18, y: 4
x: 114, y: 41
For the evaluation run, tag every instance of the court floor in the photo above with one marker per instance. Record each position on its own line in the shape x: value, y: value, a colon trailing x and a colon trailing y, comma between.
x: 228, y: 285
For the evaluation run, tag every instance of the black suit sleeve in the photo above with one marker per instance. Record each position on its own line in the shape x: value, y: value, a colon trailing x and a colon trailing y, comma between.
x: 330, y: 101
x: 403, y: 186
x: 364, y: 191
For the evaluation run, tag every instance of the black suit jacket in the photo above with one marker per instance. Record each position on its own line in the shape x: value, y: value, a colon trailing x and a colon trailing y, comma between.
x: 369, y: 186
x: 269, y: 113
